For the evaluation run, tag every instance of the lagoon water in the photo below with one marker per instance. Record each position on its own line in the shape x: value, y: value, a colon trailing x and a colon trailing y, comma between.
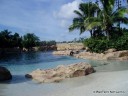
x: 20, y: 64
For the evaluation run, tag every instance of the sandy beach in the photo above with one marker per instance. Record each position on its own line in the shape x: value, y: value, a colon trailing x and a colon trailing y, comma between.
x: 98, y: 84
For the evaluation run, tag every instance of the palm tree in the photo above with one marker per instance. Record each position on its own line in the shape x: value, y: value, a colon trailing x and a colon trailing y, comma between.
x: 5, y: 38
x: 107, y: 17
x: 30, y: 40
x: 17, y: 40
x: 86, y: 10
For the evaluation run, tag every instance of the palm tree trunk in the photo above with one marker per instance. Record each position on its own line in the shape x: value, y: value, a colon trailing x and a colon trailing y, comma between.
x: 108, y: 35
x: 91, y: 33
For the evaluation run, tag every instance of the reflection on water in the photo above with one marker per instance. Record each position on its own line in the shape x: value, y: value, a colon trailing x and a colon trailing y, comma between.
x: 20, y: 64
x: 30, y: 58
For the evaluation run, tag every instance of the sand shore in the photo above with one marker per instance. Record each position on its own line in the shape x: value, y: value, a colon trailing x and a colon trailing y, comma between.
x: 98, y: 84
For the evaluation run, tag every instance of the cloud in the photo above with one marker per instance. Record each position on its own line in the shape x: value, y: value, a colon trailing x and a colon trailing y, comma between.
x: 67, y: 10
x: 66, y: 13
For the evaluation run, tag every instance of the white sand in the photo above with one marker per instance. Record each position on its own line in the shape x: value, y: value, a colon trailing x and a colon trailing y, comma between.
x: 97, y: 84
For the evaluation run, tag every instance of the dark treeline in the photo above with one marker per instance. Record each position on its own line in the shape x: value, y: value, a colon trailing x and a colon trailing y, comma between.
x: 7, y: 40
x: 28, y: 41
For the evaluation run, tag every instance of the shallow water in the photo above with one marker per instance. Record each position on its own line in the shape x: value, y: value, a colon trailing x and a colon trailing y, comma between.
x: 20, y: 64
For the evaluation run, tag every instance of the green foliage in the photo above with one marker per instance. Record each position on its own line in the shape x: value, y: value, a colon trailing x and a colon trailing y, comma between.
x: 85, y: 11
x: 103, y: 22
x: 96, y: 45
x: 100, y: 45
x: 122, y: 42
x: 7, y: 40
x: 47, y: 43
x: 30, y: 40
x: 93, y: 17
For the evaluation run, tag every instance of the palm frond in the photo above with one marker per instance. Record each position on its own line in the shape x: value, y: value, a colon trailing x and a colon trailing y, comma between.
x: 123, y: 20
x: 78, y: 13
x: 120, y: 12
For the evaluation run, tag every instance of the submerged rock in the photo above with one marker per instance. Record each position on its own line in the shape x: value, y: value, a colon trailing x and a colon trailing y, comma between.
x: 5, y: 74
x: 61, y: 72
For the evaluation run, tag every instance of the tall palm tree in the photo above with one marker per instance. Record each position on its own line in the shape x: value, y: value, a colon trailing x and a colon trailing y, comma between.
x: 86, y: 10
x: 107, y: 17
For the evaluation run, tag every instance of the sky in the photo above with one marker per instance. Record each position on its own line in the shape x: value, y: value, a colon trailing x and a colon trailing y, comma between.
x: 48, y: 19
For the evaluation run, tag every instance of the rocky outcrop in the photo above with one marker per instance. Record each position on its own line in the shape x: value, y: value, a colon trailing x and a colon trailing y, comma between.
x: 69, y: 46
x: 5, y: 74
x: 66, y: 52
x: 110, y: 50
x: 115, y: 55
x: 61, y: 72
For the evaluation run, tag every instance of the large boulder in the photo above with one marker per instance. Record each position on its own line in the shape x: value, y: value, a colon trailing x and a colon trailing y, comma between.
x: 61, y: 72
x: 5, y: 74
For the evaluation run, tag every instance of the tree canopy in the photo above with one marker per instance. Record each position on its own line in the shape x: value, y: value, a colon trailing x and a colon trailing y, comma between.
x: 100, y: 19
x: 104, y: 20
x: 30, y: 40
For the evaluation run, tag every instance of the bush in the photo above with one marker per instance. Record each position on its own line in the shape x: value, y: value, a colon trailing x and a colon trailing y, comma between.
x: 100, y: 45
x: 96, y: 45
x: 122, y: 42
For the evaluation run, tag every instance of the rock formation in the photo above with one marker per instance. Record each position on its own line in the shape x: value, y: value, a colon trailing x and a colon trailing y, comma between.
x: 110, y: 50
x: 66, y: 52
x: 5, y: 74
x: 69, y: 46
x: 61, y: 72
x: 108, y: 55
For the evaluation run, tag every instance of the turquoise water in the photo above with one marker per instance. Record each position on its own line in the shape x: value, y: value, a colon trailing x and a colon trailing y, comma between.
x: 20, y: 64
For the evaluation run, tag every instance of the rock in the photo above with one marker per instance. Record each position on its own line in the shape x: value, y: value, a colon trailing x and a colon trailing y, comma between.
x: 123, y: 53
x: 66, y: 52
x: 68, y: 49
x: 69, y: 46
x: 110, y: 50
x: 87, y: 49
x: 116, y: 55
x: 61, y: 72
x: 28, y: 76
x: 5, y: 74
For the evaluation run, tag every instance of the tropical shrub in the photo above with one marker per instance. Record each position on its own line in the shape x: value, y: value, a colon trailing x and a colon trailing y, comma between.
x: 100, y: 45
x: 96, y: 45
